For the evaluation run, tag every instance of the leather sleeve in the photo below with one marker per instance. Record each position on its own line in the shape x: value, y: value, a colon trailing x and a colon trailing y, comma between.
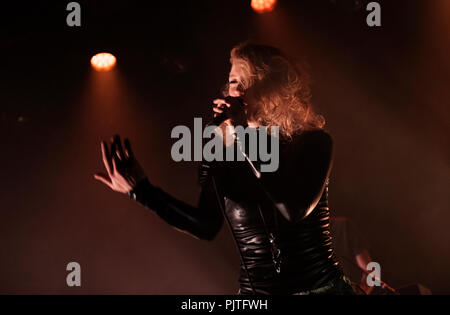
x: 203, y: 222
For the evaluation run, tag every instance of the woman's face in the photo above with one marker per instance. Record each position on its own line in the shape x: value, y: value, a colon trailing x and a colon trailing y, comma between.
x: 235, y: 88
x: 234, y: 82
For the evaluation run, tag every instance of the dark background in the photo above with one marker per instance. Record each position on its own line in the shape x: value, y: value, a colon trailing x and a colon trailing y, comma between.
x: 384, y: 92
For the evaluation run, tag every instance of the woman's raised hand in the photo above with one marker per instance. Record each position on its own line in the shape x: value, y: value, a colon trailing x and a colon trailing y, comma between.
x: 123, y: 170
x: 219, y: 106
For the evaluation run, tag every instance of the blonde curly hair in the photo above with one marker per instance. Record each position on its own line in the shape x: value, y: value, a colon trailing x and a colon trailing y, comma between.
x: 276, y: 91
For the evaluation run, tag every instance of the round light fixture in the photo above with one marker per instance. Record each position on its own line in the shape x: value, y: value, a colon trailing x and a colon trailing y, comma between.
x: 103, y: 61
x: 263, y: 6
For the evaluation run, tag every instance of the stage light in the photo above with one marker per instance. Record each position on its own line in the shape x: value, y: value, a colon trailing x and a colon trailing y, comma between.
x: 263, y: 6
x: 103, y: 62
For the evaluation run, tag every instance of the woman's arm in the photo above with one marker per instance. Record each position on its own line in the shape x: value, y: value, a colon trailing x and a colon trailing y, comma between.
x: 125, y: 175
x: 203, y: 222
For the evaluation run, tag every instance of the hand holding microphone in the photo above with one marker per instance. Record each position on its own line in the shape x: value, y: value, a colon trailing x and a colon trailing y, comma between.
x: 230, y: 111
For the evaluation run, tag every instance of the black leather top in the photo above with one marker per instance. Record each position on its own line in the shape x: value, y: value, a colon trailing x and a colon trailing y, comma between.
x: 306, y: 257
x: 291, y: 203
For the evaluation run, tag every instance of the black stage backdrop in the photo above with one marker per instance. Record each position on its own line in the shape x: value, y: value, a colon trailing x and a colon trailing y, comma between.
x: 383, y: 90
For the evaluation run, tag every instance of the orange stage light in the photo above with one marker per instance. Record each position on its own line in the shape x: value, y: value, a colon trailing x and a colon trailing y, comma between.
x: 262, y: 6
x: 103, y: 62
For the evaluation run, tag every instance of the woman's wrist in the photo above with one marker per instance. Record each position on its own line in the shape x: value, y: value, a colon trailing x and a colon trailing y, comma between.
x: 139, y: 188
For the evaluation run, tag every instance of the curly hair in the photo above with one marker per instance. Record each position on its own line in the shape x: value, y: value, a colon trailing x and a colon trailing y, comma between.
x: 276, y: 91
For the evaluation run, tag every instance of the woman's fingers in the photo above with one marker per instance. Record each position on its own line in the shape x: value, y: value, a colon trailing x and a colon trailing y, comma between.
x: 113, y: 152
x: 129, y: 153
x: 106, y: 157
x: 221, y: 102
x: 119, y: 148
x: 104, y: 179
x: 119, y: 163
x: 114, y: 165
x: 220, y: 106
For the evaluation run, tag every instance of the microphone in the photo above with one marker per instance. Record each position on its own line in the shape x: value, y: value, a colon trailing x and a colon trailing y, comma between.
x: 221, y: 117
x: 235, y: 112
